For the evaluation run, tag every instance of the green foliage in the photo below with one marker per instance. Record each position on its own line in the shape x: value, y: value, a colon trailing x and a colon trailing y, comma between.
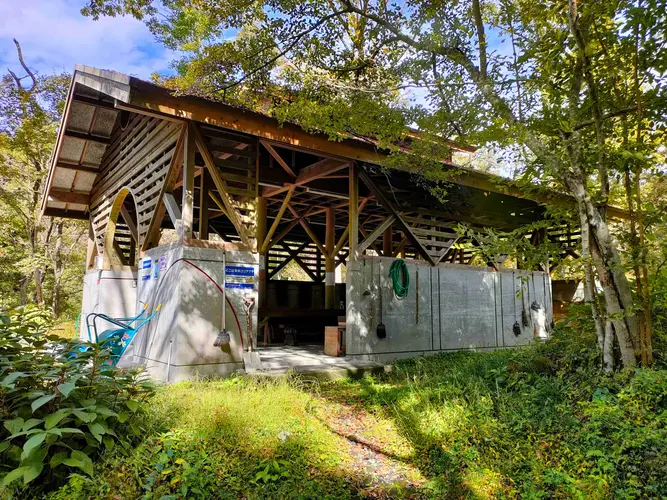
x: 216, y: 439
x: 540, y: 422
x: 59, y: 411
x: 41, y: 259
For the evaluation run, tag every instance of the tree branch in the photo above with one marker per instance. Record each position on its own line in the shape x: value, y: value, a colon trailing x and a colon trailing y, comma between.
x: 289, y: 47
x: 607, y: 116
x: 30, y: 74
x: 481, y: 37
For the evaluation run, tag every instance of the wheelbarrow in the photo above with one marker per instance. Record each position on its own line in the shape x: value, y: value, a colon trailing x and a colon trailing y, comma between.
x: 117, y: 340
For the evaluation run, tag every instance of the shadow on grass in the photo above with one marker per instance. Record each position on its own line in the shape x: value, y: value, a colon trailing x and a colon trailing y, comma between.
x: 233, y: 439
x: 431, y: 410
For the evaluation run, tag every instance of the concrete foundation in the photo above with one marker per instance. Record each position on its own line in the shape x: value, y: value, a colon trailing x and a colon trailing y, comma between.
x: 178, y: 343
x: 112, y: 292
x: 448, y: 307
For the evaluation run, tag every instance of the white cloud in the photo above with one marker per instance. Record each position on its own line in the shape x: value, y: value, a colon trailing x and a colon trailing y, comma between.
x: 55, y: 36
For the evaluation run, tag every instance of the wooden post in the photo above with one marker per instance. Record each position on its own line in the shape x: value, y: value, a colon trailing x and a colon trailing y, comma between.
x: 187, y: 208
x: 387, y: 246
x: 92, y: 247
x: 204, y: 200
x: 260, y: 236
x: 354, y: 213
x: 330, y: 260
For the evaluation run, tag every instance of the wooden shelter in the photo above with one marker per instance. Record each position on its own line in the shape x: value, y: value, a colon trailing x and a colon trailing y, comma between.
x: 134, y: 160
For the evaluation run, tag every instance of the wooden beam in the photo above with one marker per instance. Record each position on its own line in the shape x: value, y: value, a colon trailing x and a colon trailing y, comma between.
x: 387, y: 242
x: 287, y: 260
x: 283, y: 233
x: 354, y: 212
x: 278, y: 158
x: 87, y: 137
x: 375, y: 234
x: 341, y: 241
x: 329, y: 260
x: 276, y: 221
x: 119, y: 253
x: 63, y: 195
x: 364, y: 234
x: 219, y: 203
x: 320, y: 169
x: 153, y: 232
x: 78, y: 168
x: 301, y: 263
x: 127, y: 218
x: 91, y: 101
x: 188, y: 197
x: 380, y: 197
x: 157, y: 99
x: 173, y: 210
x: 308, y: 174
x: 222, y: 187
x: 400, y: 247
x: 91, y: 250
x: 66, y: 213
x: 140, y: 110
x: 204, y: 204
x: 308, y: 229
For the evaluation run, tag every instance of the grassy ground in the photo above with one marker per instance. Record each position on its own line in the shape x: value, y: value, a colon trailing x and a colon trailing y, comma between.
x: 536, y: 423
x: 66, y: 330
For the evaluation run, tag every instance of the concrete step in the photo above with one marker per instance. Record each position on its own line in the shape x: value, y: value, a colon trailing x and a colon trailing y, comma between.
x: 323, y: 372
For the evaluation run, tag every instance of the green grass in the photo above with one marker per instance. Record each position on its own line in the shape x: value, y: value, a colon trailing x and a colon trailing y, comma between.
x: 65, y: 330
x: 540, y: 422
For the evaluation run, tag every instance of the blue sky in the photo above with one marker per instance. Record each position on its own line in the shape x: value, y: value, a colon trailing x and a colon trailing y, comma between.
x: 55, y: 36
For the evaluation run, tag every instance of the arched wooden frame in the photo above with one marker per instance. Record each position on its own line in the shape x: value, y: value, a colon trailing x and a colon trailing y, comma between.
x: 113, y: 221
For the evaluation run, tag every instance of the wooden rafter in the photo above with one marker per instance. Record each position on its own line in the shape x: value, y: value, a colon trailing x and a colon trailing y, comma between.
x: 129, y: 223
x: 401, y: 245
x: 310, y: 173
x: 283, y: 233
x: 295, y: 256
x: 69, y: 196
x: 78, y: 168
x: 278, y: 158
x: 341, y: 241
x: 173, y: 210
x: 375, y: 234
x: 87, y: 137
x: 119, y: 252
x: 167, y: 186
x: 276, y: 221
x: 386, y: 204
x: 221, y: 185
x: 219, y: 203
x: 288, y: 259
x: 308, y: 229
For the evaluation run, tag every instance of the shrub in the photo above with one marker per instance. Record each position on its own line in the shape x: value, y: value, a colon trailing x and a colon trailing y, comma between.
x: 60, y: 411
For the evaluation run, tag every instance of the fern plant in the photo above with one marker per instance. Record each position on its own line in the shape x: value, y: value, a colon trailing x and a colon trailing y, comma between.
x: 60, y: 408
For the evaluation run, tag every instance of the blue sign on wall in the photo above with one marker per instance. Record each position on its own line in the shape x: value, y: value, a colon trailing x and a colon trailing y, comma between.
x: 239, y: 285
x: 239, y: 277
x: 240, y: 270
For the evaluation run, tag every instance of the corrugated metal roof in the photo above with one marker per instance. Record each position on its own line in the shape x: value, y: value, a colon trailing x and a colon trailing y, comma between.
x: 85, y: 129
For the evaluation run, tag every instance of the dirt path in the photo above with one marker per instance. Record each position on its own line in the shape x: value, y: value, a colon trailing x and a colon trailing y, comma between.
x: 379, y: 456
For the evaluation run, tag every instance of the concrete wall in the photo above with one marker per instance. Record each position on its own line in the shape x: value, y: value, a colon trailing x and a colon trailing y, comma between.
x: 112, y: 292
x: 178, y: 343
x: 447, y: 307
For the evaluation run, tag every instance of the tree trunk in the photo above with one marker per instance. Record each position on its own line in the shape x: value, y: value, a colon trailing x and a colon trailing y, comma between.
x: 57, y: 268
x: 617, y: 292
x: 615, y: 311
x: 608, y: 348
x: 590, y: 292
